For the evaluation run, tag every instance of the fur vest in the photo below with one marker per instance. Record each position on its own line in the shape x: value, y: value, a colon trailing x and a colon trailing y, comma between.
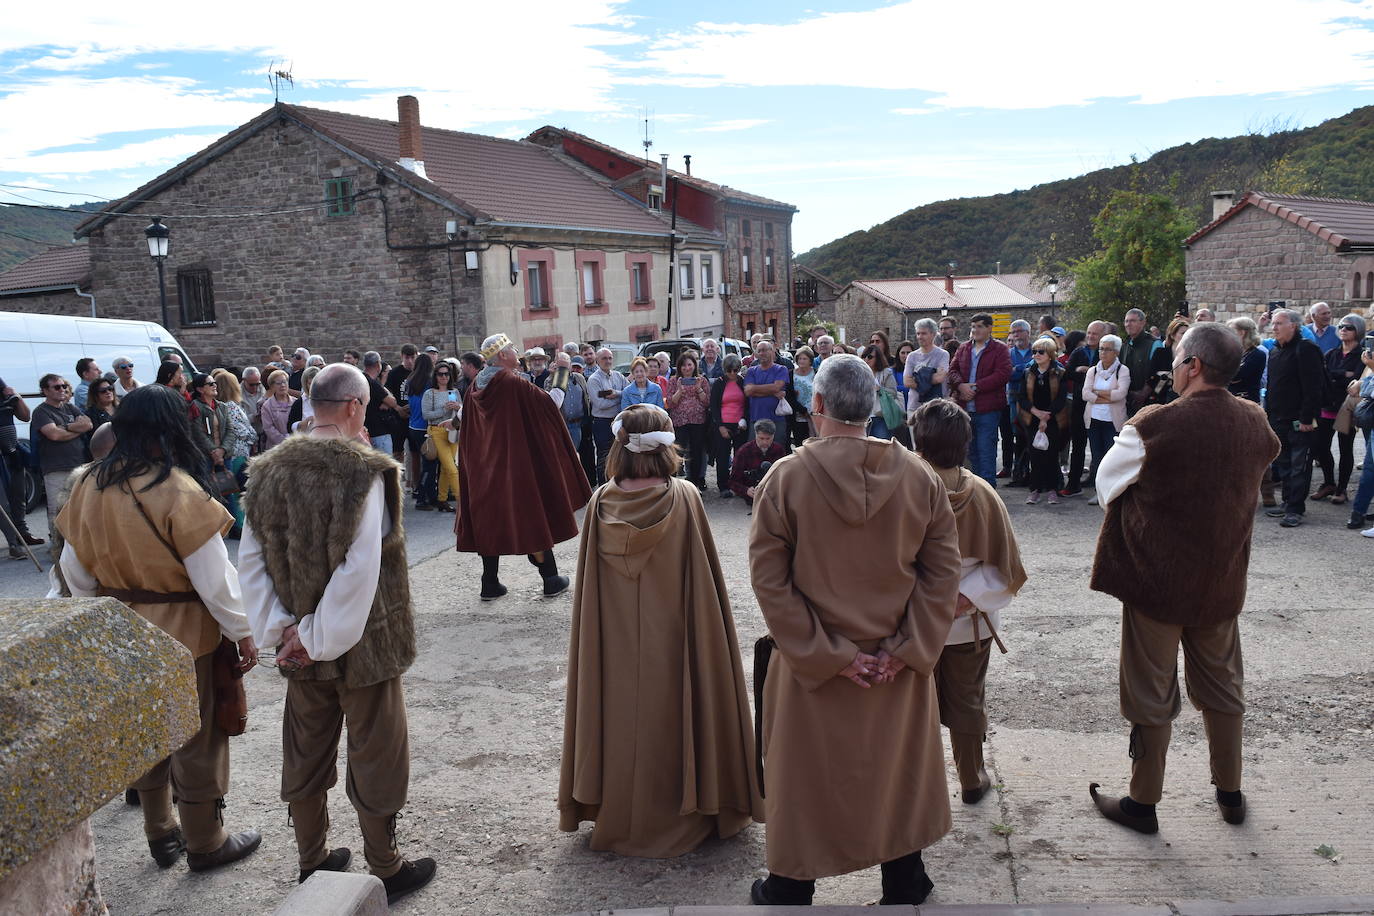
x: 304, y: 499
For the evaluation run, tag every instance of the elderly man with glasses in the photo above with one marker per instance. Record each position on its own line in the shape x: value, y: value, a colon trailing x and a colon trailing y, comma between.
x: 61, y: 448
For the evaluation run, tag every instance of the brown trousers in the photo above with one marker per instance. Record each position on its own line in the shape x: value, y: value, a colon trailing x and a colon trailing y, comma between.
x: 378, y: 764
x: 960, y: 677
x: 198, y: 772
x: 1150, y: 699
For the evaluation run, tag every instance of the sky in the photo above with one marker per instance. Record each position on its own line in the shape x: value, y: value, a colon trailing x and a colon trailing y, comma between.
x: 852, y: 110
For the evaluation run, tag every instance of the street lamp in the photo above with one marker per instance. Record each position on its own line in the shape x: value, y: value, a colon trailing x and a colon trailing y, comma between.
x: 1053, y: 287
x: 157, y: 249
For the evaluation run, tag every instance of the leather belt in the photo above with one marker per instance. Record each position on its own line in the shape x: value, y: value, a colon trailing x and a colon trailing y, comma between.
x: 144, y: 596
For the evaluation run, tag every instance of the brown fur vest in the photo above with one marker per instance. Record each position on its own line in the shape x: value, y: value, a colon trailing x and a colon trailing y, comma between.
x: 304, y: 499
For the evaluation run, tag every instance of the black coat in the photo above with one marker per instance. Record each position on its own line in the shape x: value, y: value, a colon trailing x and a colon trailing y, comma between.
x: 1297, y: 381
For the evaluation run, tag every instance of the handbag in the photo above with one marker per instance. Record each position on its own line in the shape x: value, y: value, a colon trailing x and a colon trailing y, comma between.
x: 231, y: 703
x: 428, y: 450
x: 892, y: 412
x: 226, y: 481
x: 1363, y: 417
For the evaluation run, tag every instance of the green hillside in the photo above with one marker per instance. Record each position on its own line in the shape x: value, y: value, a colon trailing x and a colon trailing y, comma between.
x: 1047, y: 226
x: 25, y: 232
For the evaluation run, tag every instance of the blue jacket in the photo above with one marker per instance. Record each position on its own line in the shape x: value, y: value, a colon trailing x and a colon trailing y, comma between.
x: 652, y: 394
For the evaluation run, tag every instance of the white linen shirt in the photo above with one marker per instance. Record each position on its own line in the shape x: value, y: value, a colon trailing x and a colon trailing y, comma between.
x: 337, y: 622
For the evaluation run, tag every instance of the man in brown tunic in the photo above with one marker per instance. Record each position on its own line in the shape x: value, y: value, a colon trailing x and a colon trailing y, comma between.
x: 1179, y: 489
x: 854, y: 556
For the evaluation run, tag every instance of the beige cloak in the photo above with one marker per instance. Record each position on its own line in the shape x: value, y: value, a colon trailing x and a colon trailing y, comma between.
x: 853, y: 547
x: 657, y: 742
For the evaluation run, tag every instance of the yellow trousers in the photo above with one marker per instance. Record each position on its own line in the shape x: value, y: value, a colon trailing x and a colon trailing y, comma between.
x: 448, y: 467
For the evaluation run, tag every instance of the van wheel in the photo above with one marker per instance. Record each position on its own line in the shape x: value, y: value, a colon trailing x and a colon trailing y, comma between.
x: 33, y: 489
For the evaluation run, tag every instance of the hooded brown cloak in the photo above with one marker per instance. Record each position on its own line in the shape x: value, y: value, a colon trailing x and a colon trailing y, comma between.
x: 520, y: 483
x: 657, y: 741
x: 984, y: 525
x: 853, y: 547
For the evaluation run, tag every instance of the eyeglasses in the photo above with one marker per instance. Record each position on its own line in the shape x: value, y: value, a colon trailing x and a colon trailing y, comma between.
x: 441, y: 375
x: 336, y: 400
x: 1347, y: 327
x: 104, y: 390
x: 60, y: 387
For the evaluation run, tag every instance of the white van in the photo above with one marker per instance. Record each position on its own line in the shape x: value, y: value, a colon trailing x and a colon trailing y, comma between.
x: 31, y: 346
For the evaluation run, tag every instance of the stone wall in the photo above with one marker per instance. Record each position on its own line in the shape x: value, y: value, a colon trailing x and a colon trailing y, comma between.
x: 294, y: 279
x: 1255, y: 257
x: 64, y: 302
x: 747, y: 304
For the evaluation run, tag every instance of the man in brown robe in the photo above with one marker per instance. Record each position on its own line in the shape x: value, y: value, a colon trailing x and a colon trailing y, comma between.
x: 657, y: 741
x: 520, y: 482
x: 1179, y: 488
x: 854, y: 557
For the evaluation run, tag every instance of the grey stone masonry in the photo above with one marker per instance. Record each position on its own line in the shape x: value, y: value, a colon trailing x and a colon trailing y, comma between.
x: 304, y: 278
x: 1256, y: 257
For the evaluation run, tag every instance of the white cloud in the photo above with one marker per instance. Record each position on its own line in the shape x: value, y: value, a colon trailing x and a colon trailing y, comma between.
x: 724, y: 126
x: 158, y: 153
x: 1021, y: 55
x: 913, y: 111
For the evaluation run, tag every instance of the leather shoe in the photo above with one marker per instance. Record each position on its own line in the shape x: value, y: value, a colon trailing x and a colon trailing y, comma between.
x: 167, y: 849
x: 1324, y: 491
x: 1110, y: 806
x: 1276, y: 512
x: 913, y: 897
x: 1233, y: 814
x: 555, y: 585
x: 238, y: 846
x: 974, y: 796
x: 411, y: 877
x: 18, y: 554
x: 31, y: 540
x: 337, y: 860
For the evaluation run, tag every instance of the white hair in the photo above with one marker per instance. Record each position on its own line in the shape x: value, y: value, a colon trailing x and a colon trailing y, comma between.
x: 827, y: 338
x: 846, y: 384
x: 928, y: 324
x: 1020, y: 324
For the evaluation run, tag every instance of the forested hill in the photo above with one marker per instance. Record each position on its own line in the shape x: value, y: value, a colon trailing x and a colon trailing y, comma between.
x: 25, y: 232
x: 1046, y: 227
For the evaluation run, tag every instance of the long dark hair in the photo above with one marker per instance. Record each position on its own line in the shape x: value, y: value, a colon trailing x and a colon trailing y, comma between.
x: 421, y: 378
x: 166, y: 371
x: 152, y: 433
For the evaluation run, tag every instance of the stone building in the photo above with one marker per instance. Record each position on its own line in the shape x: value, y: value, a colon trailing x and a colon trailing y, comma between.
x: 894, y: 306
x: 52, y: 282
x: 329, y: 230
x: 750, y: 280
x: 1267, y: 248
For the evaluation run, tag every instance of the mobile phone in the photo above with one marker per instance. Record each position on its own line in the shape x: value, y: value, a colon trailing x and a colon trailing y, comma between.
x: 1274, y: 305
x: 1369, y: 343
x: 453, y: 395
x: 1296, y: 424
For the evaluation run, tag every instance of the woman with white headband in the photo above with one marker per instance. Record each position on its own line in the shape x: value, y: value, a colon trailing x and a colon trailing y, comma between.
x: 658, y: 747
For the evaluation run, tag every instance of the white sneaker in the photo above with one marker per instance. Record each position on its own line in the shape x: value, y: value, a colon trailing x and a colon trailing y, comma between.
x: 1093, y: 500
x: 1368, y: 532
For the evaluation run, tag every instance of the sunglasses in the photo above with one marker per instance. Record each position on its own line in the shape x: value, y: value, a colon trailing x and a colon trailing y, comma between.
x: 1347, y: 327
x: 1040, y: 352
x: 124, y: 365
x: 104, y: 390
x: 60, y: 387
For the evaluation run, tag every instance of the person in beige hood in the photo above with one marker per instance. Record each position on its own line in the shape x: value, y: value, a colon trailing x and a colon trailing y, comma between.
x: 854, y: 556
x: 657, y: 746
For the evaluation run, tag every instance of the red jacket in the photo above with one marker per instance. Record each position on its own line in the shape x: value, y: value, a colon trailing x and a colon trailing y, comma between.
x: 994, y: 372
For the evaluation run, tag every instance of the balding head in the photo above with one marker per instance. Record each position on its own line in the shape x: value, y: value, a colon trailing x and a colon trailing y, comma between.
x: 336, y: 385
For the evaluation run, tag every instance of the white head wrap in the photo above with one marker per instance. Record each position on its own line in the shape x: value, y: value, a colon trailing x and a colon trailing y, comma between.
x: 645, y: 442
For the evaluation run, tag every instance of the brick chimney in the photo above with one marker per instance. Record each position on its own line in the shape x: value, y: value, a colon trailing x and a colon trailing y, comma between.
x: 949, y: 283
x: 408, y: 116
x: 1221, y: 202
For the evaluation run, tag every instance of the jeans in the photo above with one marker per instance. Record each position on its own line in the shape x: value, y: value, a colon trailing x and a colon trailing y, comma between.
x: 575, y: 433
x: 601, y: 432
x: 1101, y: 435
x: 1293, y: 466
x: 982, y: 451
x: 1366, y: 490
x: 382, y: 443
x: 877, y: 427
x: 691, y: 439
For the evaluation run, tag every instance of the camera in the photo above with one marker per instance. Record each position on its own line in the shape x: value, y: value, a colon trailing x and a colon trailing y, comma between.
x: 754, y: 477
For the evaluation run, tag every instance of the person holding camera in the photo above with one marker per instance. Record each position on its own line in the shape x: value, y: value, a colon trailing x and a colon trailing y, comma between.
x: 753, y: 460
x: 16, y: 526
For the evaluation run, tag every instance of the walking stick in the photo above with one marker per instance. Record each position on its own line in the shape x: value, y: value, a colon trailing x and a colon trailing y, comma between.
x: 27, y: 549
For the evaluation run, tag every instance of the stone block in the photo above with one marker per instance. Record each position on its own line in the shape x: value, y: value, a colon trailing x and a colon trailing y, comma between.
x: 60, y: 877
x: 91, y: 696
x: 1275, y: 906
x: 331, y: 893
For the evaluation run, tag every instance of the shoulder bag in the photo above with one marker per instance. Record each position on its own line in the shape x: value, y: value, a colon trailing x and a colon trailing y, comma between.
x: 1363, y: 417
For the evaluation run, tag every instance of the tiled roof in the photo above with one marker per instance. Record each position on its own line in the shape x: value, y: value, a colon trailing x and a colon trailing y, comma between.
x: 983, y: 292
x: 513, y: 181
x: 803, y: 269
x: 711, y: 187
x: 1341, y: 223
x: 64, y: 265
x: 506, y: 181
x: 1033, y: 289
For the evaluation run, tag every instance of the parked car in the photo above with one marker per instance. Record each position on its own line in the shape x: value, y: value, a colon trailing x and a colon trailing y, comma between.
x: 676, y: 345
x: 31, y: 346
x: 624, y: 351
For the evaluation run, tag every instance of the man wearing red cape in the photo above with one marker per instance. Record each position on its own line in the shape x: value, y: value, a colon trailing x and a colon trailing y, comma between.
x: 520, y: 482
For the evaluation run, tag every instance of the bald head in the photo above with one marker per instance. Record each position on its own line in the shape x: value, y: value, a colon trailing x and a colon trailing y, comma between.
x: 337, y: 385
x: 102, y: 441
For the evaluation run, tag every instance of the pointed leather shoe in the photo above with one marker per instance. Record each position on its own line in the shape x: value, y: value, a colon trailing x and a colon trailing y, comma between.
x: 1233, y: 814
x: 411, y: 877
x: 1110, y: 806
x: 238, y: 846
x: 167, y: 849
x: 974, y: 796
x: 337, y: 860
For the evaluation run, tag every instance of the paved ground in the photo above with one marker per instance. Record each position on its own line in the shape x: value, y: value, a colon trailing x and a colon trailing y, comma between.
x: 486, y: 703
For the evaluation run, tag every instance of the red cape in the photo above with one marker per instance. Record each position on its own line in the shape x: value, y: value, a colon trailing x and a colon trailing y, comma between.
x: 519, y: 479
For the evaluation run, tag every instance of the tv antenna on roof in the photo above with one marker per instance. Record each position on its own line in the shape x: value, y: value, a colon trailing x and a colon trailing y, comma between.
x: 648, y: 141
x: 275, y: 77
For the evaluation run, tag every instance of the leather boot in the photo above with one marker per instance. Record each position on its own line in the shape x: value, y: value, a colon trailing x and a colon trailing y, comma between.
x: 905, y: 881
x: 779, y: 891
x: 491, y: 585
x: 204, y: 827
x: 968, y: 761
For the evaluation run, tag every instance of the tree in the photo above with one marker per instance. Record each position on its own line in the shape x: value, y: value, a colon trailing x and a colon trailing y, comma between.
x: 1139, y: 260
